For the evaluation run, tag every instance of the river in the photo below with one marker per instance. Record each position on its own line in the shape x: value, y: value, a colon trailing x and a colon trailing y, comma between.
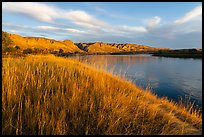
x: 173, y: 78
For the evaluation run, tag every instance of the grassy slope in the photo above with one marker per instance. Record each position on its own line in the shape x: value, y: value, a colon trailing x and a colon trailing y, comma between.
x: 53, y: 95
x: 43, y: 43
x: 102, y: 47
x: 69, y: 46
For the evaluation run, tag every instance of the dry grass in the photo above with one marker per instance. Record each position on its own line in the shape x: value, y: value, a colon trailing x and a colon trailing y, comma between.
x: 52, y: 95
x: 43, y: 43
x: 102, y: 48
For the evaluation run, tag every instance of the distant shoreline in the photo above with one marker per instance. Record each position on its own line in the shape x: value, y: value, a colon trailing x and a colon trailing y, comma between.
x: 172, y: 54
x: 179, y: 56
x: 181, y: 53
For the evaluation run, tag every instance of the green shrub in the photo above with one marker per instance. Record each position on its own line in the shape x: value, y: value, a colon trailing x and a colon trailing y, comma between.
x: 8, y: 49
x: 6, y: 41
x: 76, y: 52
x: 54, y: 52
x: 61, y: 50
x: 27, y: 51
x: 17, y: 47
x: 38, y: 50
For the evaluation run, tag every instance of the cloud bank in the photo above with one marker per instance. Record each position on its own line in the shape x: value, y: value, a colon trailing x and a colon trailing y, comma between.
x: 185, y: 31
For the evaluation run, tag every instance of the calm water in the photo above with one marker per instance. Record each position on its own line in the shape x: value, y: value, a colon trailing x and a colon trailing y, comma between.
x: 170, y: 77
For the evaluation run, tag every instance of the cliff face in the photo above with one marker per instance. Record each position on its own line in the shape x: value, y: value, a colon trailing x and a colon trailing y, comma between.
x: 43, y: 43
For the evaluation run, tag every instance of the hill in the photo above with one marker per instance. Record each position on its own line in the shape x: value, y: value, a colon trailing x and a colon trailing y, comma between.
x: 101, y: 47
x: 67, y: 46
x: 41, y: 43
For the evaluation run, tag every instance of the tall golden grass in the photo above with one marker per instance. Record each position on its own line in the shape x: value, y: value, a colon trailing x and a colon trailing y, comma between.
x: 52, y: 95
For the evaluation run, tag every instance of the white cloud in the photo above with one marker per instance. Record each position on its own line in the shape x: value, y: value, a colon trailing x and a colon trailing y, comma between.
x: 51, y: 28
x: 132, y: 29
x: 48, y: 13
x: 153, y: 21
x: 80, y: 25
x: 47, y: 28
x: 15, y: 26
x: 13, y: 31
x: 189, y: 25
x: 39, y: 11
x: 82, y: 19
x: 74, y: 30
x: 195, y: 13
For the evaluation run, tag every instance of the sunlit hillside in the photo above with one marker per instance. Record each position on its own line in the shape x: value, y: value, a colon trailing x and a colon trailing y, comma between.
x: 38, y: 44
x: 43, y: 43
x: 52, y: 95
x: 101, y: 47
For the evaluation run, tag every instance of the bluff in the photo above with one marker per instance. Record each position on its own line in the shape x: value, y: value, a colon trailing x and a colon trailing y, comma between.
x: 101, y: 47
x: 67, y: 46
x: 41, y: 43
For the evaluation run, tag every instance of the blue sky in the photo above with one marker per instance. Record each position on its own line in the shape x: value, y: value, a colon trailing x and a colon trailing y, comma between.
x: 158, y: 24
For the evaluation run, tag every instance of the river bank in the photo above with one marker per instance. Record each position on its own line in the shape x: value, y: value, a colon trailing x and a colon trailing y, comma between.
x: 54, y: 95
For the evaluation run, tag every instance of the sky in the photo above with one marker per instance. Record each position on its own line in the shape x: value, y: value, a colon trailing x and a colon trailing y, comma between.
x: 159, y: 24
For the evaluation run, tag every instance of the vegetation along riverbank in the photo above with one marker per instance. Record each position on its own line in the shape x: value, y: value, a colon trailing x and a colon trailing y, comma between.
x: 181, y: 53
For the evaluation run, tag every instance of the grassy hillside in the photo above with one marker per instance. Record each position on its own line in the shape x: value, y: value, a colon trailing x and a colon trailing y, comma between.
x: 42, y: 43
x: 6, y: 41
x: 101, y: 47
x: 53, y: 95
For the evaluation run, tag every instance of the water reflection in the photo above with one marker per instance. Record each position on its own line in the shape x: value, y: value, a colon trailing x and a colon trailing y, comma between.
x: 115, y: 59
x: 171, y: 77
